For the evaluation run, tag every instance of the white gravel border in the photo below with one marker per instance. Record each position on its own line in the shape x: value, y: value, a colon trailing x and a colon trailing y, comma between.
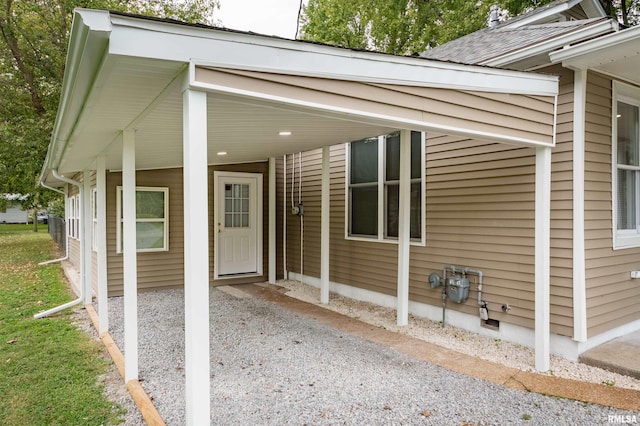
x: 506, y: 353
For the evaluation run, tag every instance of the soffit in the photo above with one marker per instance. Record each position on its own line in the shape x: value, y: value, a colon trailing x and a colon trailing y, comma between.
x: 616, y: 55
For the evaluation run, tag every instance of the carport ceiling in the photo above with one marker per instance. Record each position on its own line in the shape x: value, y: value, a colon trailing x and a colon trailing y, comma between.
x: 146, y: 95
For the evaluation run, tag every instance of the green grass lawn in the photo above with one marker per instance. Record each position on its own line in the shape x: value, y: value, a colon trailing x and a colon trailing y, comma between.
x: 49, y: 369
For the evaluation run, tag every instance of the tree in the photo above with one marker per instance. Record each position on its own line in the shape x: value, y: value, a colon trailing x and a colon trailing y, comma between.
x: 33, y: 43
x: 405, y: 27
x: 626, y: 11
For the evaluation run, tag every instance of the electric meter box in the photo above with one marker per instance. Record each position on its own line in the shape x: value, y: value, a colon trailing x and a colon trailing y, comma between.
x: 457, y: 288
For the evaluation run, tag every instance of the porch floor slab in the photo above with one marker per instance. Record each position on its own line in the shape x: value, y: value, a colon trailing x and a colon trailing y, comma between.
x: 620, y: 355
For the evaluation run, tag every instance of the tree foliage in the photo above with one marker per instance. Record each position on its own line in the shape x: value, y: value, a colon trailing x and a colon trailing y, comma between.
x: 405, y: 27
x: 33, y: 44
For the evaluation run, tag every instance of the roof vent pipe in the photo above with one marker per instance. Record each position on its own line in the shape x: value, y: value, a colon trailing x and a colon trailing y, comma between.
x: 494, y: 19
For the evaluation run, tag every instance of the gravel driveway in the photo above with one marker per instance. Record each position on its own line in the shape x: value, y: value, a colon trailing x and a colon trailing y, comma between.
x: 273, y: 367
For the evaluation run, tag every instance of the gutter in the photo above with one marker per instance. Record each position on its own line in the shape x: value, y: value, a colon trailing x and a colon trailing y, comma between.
x: 80, y: 299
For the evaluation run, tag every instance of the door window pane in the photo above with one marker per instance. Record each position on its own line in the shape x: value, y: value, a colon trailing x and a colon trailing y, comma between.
x: 236, y: 205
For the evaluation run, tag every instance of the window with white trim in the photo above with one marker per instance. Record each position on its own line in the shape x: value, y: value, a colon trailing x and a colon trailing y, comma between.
x: 626, y: 165
x: 152, y: 219
x: 73, y: 220
x: 374, y: 186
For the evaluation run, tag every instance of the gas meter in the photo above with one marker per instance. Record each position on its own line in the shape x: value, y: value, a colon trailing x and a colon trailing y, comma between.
x: 457, y: 288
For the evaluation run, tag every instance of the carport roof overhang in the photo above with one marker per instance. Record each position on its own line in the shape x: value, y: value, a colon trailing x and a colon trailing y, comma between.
x: 616, y: 55
x: 129, y: 72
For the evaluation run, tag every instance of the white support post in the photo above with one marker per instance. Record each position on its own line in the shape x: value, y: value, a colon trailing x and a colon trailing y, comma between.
x: 285, y: 211
x: 579, y: 272
x: 324, y: 227
x: 542, y: 257
x: 101, y: 240
x: 196, y: 258
x: 129, y: 255
x: 404, y: 229
x: 86, y: 229
x: 272, y: 220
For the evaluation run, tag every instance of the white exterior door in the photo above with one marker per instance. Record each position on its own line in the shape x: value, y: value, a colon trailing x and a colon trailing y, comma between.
x: 238, y: 224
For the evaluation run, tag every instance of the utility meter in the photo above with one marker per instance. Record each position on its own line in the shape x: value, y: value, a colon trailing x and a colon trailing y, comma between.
x: 457, y: 288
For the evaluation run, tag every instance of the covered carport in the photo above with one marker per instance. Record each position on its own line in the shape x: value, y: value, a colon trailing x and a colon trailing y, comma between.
x: 146, y: 94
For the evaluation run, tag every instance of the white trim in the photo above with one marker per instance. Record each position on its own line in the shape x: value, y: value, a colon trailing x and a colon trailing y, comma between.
x: 285, y: 209
x: 196, y: 259
x: 631, y: 95
x: 381, y: 182
x: 101, y: 246
x: 130, y: 256
x: 404, y: 228
x: 550, y: 11
x: 86, y: 236
x: 272, y: 220
x: 593, y: 52
x: 94, y: 220
x: 325, y: 225
x: 542, y: 257
x: 211, y: 47
x: 332, y: 111
x: 579, y: 262
x: 217, y: 175
x: 165, y: 220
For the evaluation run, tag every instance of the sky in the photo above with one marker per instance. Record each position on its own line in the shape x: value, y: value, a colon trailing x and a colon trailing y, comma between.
x: 269, y: 17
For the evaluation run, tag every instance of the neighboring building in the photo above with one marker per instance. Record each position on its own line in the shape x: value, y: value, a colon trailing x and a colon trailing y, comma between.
x: 228, y: 157
x: 11, y: 210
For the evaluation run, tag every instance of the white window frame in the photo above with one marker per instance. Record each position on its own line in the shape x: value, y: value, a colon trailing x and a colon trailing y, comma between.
x: 382, y: 183
x: 73, y: 224
x: 165, y: 220
x: 625, y: 238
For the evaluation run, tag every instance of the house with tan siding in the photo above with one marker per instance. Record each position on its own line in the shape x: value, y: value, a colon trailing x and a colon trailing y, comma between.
x: 493, y: 193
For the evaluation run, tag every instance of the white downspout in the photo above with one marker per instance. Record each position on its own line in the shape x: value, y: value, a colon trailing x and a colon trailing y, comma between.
x: 66, y: 233
x: 80, y: 299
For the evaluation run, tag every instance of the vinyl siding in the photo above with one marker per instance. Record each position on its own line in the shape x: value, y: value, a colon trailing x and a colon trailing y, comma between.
x: 504, y: 114
x: 155, y: 269
x: 561, y: 279
x: 613, y: 299
x: 479, y: 214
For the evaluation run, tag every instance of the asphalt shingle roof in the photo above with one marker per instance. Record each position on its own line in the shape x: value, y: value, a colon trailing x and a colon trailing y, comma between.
x: 492, y: 42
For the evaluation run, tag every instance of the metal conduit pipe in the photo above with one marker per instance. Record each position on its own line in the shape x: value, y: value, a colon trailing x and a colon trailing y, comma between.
x: 66, y: 244
x: 81, y: 298
x: 479, y: 274
x: 444, y: 288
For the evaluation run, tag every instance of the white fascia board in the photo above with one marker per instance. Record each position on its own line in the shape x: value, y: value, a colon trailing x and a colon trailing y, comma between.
x: 591, y: 53
x: 225, y: 49
x: 90, y: 32
x: 535, y: 18
x: 364, y: 116
x: 595, y: 30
